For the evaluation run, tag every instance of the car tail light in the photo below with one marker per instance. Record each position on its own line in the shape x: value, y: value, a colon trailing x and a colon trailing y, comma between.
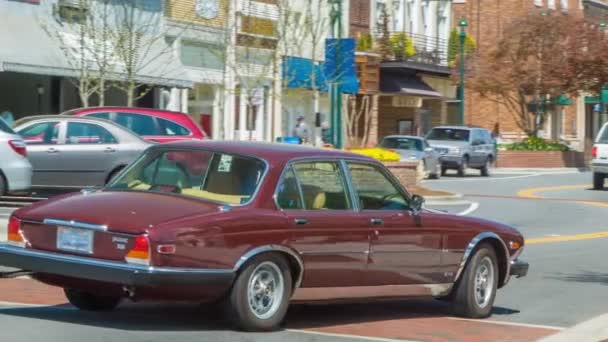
x: 18, y: 146
x: 594, y: 152
x: 14, y: 232
x: 140, y: 253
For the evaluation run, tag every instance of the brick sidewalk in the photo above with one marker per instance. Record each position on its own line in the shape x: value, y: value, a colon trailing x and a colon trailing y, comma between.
x: 402, y: 320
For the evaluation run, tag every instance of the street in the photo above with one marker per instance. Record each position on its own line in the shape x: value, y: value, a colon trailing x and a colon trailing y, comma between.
x: 563, y: 222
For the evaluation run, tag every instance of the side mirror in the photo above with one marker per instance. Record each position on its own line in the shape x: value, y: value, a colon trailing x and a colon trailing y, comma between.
x: 416, y: 203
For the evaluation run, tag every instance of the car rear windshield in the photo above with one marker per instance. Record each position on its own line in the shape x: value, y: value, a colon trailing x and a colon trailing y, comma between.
x: 209, y: 175
x: 402, y: 143
x: 449, y: 134
x: 602, y: 138
x: 4, y: 127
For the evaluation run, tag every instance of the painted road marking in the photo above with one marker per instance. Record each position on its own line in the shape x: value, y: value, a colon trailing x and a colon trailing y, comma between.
x: 474, y: 206
x: 526, y: 325
x: 562, y: 238
x: 346, y: 336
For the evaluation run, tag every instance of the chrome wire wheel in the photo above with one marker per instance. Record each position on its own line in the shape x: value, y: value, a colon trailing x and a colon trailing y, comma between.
x: 265, y: 290
x: 484, y: 282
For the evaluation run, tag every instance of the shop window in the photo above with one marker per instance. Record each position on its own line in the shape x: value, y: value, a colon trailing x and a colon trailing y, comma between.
x: 258, y: 26
x: 202, y: 55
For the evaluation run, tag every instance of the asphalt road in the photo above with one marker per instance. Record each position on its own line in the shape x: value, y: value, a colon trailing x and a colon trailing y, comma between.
x: 566, y: 284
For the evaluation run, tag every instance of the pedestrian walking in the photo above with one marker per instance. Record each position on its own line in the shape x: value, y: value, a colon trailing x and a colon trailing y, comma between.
x: 301, y: 130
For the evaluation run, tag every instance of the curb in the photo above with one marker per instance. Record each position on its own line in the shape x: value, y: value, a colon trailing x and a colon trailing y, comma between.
x: 593, y: 330
x: 539, y: 169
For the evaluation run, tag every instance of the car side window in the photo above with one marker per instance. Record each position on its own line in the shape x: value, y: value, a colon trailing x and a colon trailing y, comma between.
x: 323, y: 185
x: 138, y: 123
x: 374, y: 190
x: 86, y: 133
x: 43, y: 133
x: 100, y: 115
x: 288, y: 192
x: 171, y: 128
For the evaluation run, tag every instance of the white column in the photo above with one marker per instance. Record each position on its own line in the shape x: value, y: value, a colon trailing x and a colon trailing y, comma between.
x: 216, y: 112
x: 184, y: 100
x: 259, y: 121
x: 243, y: 133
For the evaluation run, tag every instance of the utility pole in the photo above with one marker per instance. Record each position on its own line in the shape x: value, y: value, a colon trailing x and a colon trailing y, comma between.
x: 463, y: 35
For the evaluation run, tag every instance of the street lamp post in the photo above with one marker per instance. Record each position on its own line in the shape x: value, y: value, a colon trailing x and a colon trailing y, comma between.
x: 463, y: 35
x: 603, y: 92
x: 335, y: 88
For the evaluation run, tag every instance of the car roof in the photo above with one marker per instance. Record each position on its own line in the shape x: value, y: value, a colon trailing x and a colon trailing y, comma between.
x: 264, y: 150
x: 404, y: 136
x: 125, y: 109
x: 460, y: 127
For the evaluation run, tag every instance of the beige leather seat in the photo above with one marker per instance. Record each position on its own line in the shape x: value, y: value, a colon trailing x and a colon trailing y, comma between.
x: 314, y: 197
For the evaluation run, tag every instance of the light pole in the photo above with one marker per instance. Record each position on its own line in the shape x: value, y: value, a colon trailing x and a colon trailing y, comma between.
x: 335, y: 88
x: 463, y: 35
x: 603, y: 92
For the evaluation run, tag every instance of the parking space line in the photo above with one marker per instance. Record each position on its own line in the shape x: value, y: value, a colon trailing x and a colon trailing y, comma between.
x: 365, y: 338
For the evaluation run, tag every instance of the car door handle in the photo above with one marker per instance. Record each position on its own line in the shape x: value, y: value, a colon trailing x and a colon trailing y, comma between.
x: 52, y: 150
x: 300, y: 221
x: 376, y: 221
x: 109, y: 149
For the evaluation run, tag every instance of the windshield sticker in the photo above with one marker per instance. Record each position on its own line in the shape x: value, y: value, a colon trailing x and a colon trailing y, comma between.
x: 225, y: 164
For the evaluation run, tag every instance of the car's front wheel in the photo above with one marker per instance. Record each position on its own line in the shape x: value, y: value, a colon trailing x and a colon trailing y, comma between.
x: 598, y: 181
x: 464, y: 165
x: 91, y: 302
x: 476, y: 289
x: 485, y: 169
x: 260, y: 295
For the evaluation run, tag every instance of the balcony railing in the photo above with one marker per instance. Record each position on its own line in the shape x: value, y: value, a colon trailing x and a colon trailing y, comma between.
x: 417, y: 48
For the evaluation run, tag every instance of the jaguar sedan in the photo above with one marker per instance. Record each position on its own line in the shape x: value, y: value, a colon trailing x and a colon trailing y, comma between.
x: 253, y: 227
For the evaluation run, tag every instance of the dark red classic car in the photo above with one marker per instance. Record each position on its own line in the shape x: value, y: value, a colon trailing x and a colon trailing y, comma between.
x: 254, y: 226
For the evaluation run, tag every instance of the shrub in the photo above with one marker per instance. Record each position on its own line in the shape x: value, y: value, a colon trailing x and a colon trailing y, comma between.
x: 365, y: 43
x: 536, y: 144
x: 402, y: 45
x: 378, y: 154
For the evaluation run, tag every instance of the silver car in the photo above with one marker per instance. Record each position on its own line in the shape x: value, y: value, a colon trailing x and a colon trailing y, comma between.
x: 415, y: 149
x: 463, y: 147
x: 15, y: 169
x: 68, y: 151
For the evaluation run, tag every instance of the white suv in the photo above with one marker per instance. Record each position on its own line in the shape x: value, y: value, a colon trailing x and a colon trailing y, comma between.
x: 599, y: 164
x: 15, y: 168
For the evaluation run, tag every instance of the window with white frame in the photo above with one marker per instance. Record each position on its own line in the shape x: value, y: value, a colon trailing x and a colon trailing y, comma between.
x: 551, y: 4
x: 538, y: 3
x: 202, y: 55
x: 564, y: 5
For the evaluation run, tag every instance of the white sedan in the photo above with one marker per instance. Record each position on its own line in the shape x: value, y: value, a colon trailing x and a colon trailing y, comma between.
x: 15, y: 168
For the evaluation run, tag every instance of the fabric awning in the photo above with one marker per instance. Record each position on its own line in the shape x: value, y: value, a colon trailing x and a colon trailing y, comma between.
x: 399, y: 82
x: 26, y: 47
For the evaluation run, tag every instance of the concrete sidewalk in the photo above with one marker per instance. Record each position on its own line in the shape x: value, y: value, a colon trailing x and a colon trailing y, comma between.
x: 593, y: 330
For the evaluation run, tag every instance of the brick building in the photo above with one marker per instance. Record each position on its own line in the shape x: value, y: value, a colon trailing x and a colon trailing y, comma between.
x: 574, y: 124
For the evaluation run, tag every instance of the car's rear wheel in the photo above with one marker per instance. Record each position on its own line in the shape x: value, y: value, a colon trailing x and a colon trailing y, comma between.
x: 485, y: 169
x: 598, y: 180
x: 91, y: 302
x: 476, y: 289
x: 464, y: 165
x: 2, y: 185
x: 260, y: 295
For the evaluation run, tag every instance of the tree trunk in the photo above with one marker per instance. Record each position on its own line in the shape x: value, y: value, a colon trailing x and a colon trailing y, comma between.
x: 131, y: 94
x: 102, y: 92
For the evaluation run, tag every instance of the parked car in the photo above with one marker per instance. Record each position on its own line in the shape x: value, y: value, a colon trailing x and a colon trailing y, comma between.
x: 461, y: 148
x: 599, y: 164
x: 415, y: 149
x: 152, y: 124
x: 254, y: 227
x: 68, y: 151
x: 15, y: 169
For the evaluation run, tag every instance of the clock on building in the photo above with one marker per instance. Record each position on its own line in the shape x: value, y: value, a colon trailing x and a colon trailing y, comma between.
x: 207, y: 9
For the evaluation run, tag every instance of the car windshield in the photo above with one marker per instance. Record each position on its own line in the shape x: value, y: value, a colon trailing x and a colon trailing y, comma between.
x: 402, y: 143
x: 4, y: 127
x: 215, y: 176
x: 449, y: 134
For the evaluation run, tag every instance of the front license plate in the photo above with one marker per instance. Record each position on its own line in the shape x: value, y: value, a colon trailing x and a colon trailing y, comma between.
x: 75, y: 240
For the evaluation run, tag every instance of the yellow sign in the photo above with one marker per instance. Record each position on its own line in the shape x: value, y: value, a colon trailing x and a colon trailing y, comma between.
x: 407, y: 101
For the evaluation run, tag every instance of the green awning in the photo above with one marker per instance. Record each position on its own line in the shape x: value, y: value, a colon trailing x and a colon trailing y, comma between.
x: 563, y: 100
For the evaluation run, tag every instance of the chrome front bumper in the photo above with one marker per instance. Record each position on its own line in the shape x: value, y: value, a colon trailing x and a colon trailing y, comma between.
x: 109, y: 271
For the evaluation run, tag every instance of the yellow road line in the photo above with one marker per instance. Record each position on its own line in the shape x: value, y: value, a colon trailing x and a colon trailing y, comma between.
x: 533, y: 193
x: 576, y: 237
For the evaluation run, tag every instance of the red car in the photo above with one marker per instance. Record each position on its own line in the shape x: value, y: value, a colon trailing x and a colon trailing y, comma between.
x: 151, y: 124
x: 254, y: 226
